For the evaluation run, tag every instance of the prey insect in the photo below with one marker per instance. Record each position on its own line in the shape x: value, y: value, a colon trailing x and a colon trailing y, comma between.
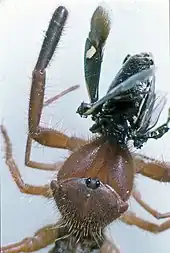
x: 94, y: 184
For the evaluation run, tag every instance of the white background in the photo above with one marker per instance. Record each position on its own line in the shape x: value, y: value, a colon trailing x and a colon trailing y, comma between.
x: 137, y: 26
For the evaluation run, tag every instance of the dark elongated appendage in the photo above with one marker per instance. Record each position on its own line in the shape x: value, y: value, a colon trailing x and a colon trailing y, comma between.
x: 52, y: 37
x: 93, y: 54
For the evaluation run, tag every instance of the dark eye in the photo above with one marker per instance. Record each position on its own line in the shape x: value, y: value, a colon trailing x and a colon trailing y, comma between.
x: 92, y: 183
x: 151, y: 62
x: 146, y: 55
x: 148, y: 61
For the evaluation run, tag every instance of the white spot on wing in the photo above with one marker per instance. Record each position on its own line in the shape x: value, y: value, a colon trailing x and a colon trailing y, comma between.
x: 90, y: 52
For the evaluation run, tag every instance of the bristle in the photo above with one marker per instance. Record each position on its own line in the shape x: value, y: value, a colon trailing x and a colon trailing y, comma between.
x: 81, y: 230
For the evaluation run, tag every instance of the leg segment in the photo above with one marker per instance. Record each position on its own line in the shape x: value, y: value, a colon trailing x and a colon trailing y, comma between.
x: 149, y: 209
x: 63, y: 93
x: 156, y: 170
x: 76, y: 142
x: 109, y: 247
x: 46, y: 136
x: 130, y: 218
x: 38, y: 165
x: 41, y: 239
x: 161, y: 130
x: 152, y: 168
x: 25, y: 188
x: 51, y: 138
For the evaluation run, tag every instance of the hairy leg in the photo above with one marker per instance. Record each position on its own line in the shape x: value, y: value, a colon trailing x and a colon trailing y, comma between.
x: 153, y: 212
x: 152, y: 168
x: 41, y: 239
x: 156, y: 170
x: 130, y: 218
x: 39, y: 165
x: 109, y: 247
x: 47, y: 136
x: 13, y: 168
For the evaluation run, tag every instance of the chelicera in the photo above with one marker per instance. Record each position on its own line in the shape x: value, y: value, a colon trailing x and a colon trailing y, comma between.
x: 94, y: 184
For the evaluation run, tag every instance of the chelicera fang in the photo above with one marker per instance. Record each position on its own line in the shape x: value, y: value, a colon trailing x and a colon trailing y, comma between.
x: 94, y: 184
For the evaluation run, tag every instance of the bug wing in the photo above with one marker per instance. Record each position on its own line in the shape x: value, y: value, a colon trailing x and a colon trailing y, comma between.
x: 146, y: 107
x: 94, y: 47
x: 132, y: 65
x: 151, y: 112
x: 120, y: 89
x: 131, y: 82
x: 160, y: 102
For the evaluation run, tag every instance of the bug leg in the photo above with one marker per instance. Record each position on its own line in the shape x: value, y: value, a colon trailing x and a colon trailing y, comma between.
x: 160, y: 131
x: 130, y: 218
x: 126, y: 58
x: 152, y: 168
x: 149, y: 209
x: 46, y: 136
x: 13, y: 168
x: 41, y: 239
x: 109, y: 247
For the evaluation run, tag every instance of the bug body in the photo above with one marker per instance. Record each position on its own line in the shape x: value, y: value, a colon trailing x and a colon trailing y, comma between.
x: 94, y: 184
x: 131, y: 108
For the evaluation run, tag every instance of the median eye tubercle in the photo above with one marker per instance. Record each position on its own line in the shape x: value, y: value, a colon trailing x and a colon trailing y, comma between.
x: 92, y: 183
